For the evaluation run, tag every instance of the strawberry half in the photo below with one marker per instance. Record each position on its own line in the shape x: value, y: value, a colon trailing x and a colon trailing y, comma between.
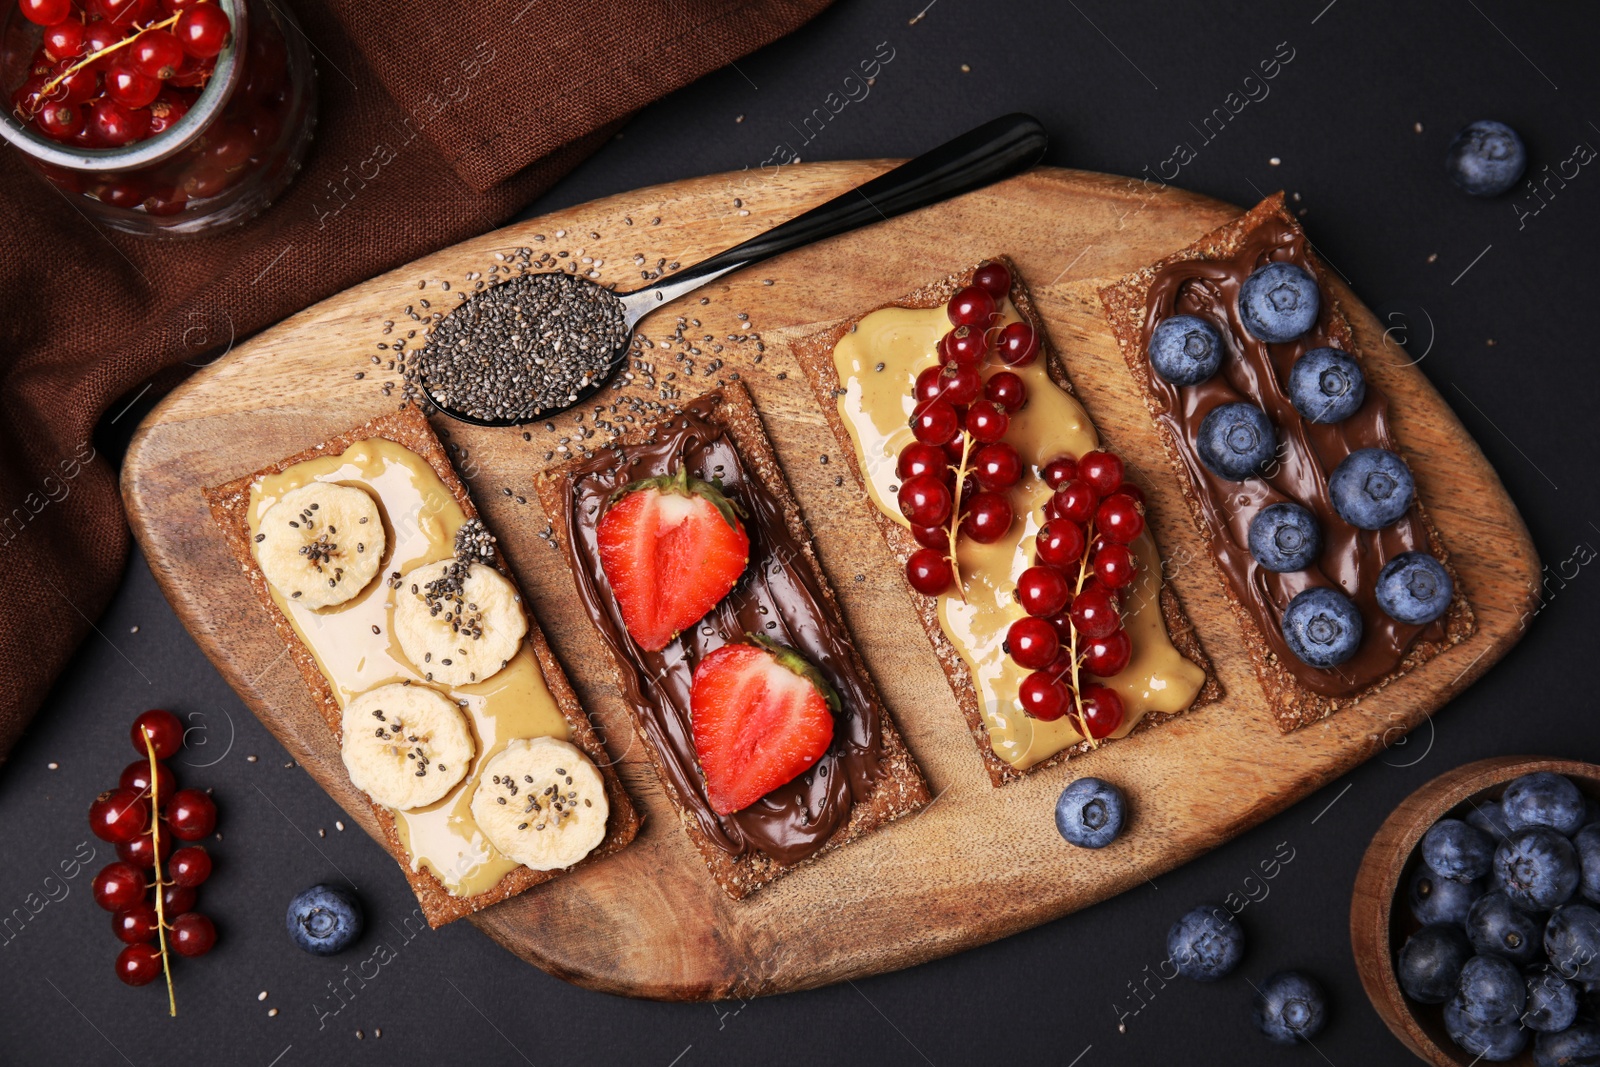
x: 762, y: 716
x: 671, y: 548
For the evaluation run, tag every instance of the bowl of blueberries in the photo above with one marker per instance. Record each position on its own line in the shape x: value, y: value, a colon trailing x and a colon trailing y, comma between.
x: 1476, y: 915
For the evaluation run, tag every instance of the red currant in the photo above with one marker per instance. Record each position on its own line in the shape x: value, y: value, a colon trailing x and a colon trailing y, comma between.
x: 168, y: 108
x: 141, y: 853
x: 1129, y: 489
x: 118, y: 13
x: 136, y: 775
x: 1105, y: 657
x: 1007, y: 390
x: 929, y: 385
x: 98, y: 36
x: 164, y: 730
x: 59, y: 121
x: 936, y: 423
x: 130, y: 88
x: 177, y: 899
x: 966, y: 345
x: 1094, y: 612
x: 1120, y: 518
x: 78, y: 88
x: 961, y: 383
x: 190, y: 866
x: 1101, y: 469
x: 1059, y: 471
x: 156, y: 54
x: 119, y: 885
x: 997, y: 466
x: 193, y: 934
x: 987, y: 421
x: 1061, y: 622
x: 1043, y: 696
x: 932, y: 537
x: 125, y: 193
x: 1032, y: 643
x: 1102, y: 710
x: 202, y: 30
x: 65, y: 39
x: 119, y: 815
x: 173, y: 7
x: 929, y: 572
x: 1042, y: 591
x: 135, y: 923
x: 918, y: 458
x: 45, y: 12
x: 994, y: 278
x: 165, y: 201
x: 192, y: 814
x: 1060, y: 543
x: 1076, y: 500
x: 193, y: 74
x: 988, y: 517
x: 1115, y: 566
x: 924, y: 500
x: 139, y: 964
x: 1018, y: 345
x: 972, y: 306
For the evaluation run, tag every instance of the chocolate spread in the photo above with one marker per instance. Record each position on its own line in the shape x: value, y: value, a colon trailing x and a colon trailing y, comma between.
x: 1307, y: 453
x: 778, y: 597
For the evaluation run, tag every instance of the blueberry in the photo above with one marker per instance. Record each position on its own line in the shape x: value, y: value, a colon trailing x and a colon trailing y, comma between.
x: 1430, y: 963
x: 1492, y: 990
x: 1544, y: 799
x: 1091, y: 812
x: 1371, y: 488
x: 1414, y: 588
x: 1496, y: 927
x: 1552, y: 1002
x: 1279, y: 302
x: 1493, y: 1043
x: 1322, y: 627
x: 1486, y: 158
x: 1487, y: 816
x: 1455, y: 850
x: 1442, y: 900
x: 324, y: 919
x: 1285, y: 537
x: 1536, y: 868
x: 1236, y: 440
x: 1587, y: 845
x: 1572, y: 941
x: 1327, y: 385
x: 1576, y: 1046
x: 1185, y: 350
x: 1206, y: 943
x: 1290, y: 1007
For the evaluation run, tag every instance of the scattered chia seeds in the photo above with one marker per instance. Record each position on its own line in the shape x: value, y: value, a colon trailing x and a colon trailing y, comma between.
x: 520, y: 347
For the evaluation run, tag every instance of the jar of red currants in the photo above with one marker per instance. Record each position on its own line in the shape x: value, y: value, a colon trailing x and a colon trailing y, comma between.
x: 160, y: 117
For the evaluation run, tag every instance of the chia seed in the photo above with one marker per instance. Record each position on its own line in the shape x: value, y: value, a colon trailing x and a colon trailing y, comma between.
x: 524, y: 346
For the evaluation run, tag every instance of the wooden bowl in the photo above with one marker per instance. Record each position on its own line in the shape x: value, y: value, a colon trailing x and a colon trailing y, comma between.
x: 1381, y: 920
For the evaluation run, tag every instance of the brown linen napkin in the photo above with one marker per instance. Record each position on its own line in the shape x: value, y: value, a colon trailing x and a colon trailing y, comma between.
x: 473, y: 117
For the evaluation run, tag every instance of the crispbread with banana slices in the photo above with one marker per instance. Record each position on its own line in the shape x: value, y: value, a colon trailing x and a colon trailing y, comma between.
x: 409, y: 429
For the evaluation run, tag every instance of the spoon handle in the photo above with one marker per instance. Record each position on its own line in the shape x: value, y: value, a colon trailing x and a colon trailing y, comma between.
x: 998, y: 149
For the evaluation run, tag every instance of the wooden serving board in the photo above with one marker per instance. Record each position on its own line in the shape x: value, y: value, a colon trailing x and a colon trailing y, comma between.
x: 978, y: 864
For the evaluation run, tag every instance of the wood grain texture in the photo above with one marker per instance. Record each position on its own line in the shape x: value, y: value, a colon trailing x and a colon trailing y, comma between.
x: 1380, y: 919
x: 649, y: 921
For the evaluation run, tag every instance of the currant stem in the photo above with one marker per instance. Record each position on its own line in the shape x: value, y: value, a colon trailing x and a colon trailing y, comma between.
x: 155, y: 850
x: 955, y: 514
x: 54, y: 83
x: 1072, y: 642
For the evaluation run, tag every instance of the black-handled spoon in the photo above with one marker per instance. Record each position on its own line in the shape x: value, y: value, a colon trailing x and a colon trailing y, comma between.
x: 999, y: 149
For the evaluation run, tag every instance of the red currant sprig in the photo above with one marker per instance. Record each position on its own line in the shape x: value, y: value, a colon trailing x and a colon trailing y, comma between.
x: 126, y: 817
x: 1081, y: 563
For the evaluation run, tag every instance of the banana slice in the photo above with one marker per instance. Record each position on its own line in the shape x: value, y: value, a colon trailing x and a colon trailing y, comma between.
x: 405, y: 746
x: 320, y: 544
x: 542, y: 803
x: 458, y: 622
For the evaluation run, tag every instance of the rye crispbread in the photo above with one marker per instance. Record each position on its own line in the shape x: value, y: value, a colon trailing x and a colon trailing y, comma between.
x: 900, y: 788
x: 409, y: 428
x: 1292, y: 704
x: 814, y: 353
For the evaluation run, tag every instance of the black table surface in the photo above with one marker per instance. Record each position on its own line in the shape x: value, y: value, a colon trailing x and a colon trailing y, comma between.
x: 1489, y: 295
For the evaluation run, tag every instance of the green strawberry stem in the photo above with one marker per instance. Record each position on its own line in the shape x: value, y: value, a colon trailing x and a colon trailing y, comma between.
x: 795, y: 663
x: 155, y: 849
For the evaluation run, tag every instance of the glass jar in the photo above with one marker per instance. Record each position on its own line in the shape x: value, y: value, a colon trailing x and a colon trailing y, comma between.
x: 237, y: 147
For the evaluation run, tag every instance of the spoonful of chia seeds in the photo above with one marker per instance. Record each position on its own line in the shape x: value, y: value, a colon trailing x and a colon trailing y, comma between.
x: 538, y: 344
